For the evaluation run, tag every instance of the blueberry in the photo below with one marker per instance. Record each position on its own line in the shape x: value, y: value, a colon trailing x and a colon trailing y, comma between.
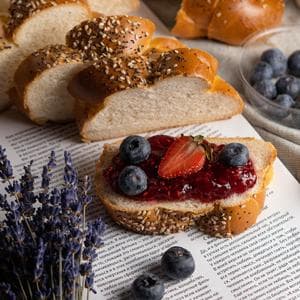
x: 132, y: 181
x: 261, y: 71
x: 266, y: 88
x: 285, y: 101
x: 135, y: 149
x: 288, y: 85
x: 294, y: 63
x: 177, y: 263
x: 234, y: 154
x: 148, y: 287
x: 276, y: 59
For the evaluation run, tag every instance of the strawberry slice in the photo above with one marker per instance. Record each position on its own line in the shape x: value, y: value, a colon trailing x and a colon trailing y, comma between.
x: 184, y: 157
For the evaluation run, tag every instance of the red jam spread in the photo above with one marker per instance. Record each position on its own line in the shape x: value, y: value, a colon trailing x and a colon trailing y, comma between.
x: 214, y: 181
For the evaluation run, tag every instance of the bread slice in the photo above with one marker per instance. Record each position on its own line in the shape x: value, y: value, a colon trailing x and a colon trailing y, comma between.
x: 113, y: 7
x: 35, y: 24
x: 221, y: 218
x: 179, y: 88
x: 41, y: 84
x: 10, y: 57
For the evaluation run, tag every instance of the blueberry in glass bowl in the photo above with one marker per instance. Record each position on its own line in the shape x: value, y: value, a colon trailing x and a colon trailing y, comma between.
x: 294, y: 63
x: 289, y: 85
x: 276, y: 59
x: 276, y: 96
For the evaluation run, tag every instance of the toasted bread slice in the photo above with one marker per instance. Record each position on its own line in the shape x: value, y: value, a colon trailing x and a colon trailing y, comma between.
x: 41, y: 84
x: 224, y: 217
x: 179, y: 88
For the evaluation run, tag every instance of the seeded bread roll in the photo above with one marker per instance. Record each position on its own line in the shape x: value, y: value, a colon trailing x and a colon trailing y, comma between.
x: 113, y: 7
x: 111, y: 36
x: 179, y: 88
x: 35, y: 24
x: 229, y: 21
x: 41, y: 84
x: 221, y: 218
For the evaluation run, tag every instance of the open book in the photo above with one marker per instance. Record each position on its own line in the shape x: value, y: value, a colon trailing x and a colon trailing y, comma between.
x: 262, y: 263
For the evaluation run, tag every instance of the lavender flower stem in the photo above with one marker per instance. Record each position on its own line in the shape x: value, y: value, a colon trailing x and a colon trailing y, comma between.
x: 29, y: 289
x: 60, y: 275
x: 52, y: 281
x: 74, y: 281
x: 38, y: 288
x: 83, y: 279
x: 22, y: 287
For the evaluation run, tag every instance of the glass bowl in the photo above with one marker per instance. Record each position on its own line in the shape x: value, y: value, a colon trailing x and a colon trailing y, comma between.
x: 287, y: 39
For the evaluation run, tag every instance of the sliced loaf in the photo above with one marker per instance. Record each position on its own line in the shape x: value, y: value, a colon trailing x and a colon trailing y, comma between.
x: 179, y: 88
x: 223, y: 217
x: 41, y: 84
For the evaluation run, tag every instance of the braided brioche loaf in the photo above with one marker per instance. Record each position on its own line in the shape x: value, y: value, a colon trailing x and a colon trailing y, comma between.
x: 137, y: 85
x: 229, y: 21
x: 131, y: 83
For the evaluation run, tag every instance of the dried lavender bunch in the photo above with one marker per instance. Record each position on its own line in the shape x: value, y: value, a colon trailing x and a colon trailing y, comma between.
x: 46, y: 245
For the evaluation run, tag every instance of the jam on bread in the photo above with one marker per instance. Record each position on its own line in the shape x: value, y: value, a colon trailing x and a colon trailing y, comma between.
x: 164, y: 168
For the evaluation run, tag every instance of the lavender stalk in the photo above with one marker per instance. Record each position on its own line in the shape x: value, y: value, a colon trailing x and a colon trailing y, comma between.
x: 46, y: 244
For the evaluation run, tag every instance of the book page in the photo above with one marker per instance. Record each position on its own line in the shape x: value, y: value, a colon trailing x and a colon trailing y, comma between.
x: 263, y: 261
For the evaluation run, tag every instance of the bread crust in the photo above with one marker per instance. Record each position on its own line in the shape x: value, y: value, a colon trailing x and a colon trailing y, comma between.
x: 219, y: 219
x: 188, y: 23
x: 34, y: 65
x: 109, y: 36
x: 229, y: 21
x: 164, y: 44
